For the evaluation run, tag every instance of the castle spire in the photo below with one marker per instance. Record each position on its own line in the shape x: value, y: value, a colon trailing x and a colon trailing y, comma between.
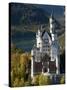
x: 51, y: 26
x: 51, y: 21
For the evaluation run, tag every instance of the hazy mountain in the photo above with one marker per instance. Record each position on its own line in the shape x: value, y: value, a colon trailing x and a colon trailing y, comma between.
x: 57, y: 10
x: 24, y: 14
x: 26, y: 18
x: 32, y: 13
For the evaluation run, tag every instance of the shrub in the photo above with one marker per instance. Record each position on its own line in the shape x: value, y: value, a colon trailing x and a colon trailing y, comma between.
x: 18, y: 82
x: 36, y: 80
x: 62, y: 80
x: 44, y: 80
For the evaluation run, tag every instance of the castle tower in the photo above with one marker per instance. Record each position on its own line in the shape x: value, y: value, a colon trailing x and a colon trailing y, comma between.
x: 39, y: 39
x: 51, y: 27
x: 54, y: 47
x: 33, y: 53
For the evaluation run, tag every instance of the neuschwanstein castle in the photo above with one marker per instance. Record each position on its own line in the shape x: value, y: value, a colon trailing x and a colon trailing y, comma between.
x: 45, y: 53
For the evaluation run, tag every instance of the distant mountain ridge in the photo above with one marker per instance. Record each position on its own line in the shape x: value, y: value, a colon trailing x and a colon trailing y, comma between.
x: 23, y: 14
x: 25, y: 20
x: 29, y: 16
x: 32, y: 13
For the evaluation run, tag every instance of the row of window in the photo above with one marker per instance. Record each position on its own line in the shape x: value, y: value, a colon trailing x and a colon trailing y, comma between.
x: 46, y: 49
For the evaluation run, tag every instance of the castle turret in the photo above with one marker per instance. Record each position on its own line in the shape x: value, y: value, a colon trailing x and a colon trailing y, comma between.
x: 51, y: 27
x: 33, y: 53
x: 54, y: 46
x: 39, y: 39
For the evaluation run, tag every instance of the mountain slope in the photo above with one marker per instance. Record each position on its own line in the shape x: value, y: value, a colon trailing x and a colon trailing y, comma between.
x: 25, y: 21
x: 24, y: 14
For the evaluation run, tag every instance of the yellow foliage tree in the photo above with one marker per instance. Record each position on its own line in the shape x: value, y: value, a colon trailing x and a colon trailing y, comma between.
x: 19, y: 65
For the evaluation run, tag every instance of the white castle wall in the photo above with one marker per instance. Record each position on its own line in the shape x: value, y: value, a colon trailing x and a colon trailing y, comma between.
x: 40, y: 44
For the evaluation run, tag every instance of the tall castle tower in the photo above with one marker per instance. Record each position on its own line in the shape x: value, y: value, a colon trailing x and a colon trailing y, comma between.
x: 54, y: 46
x: 51, y: 27
x: 39, y: 39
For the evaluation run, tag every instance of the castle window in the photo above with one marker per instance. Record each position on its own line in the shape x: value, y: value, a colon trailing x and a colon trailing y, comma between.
x: 45, y: 69
x: 38, y: 48
x: 52, y: 66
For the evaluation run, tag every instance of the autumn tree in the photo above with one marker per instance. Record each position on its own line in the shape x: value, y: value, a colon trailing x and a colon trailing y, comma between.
x: 20, y: 68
